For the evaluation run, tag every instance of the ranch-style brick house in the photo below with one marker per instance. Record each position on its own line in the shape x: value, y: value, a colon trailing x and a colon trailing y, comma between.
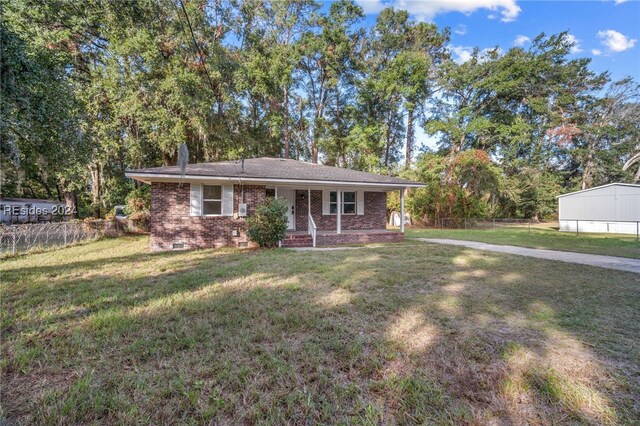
x: 208, y: 206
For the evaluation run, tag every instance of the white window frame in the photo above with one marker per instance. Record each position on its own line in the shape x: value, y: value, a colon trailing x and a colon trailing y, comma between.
x: 333, y: 202
x: 342, y: 203
x: 202, y: 200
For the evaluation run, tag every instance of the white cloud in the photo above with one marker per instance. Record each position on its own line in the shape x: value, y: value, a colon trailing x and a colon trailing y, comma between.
x: 575, y: 42
x: 620, y: 1
x: 521, y: 40
x: 371, y: 6
x: 426, y: 10
x: 460, y: 29
x: 461, y: 54
x: 615, y: 41
x: 596, y: 52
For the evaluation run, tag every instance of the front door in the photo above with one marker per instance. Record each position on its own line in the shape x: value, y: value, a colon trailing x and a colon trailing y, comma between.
x: 289, y: 196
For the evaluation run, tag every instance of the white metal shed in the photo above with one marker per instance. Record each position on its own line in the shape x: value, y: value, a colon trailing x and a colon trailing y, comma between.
x: 612, y: 208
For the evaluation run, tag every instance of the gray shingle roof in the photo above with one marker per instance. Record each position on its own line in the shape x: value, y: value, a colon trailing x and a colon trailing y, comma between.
x: 274, y: 169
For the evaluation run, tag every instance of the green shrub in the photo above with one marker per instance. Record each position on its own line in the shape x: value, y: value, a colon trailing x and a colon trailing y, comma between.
x: 269, y: 223
x: 139, y: 200
x: 462, y: 186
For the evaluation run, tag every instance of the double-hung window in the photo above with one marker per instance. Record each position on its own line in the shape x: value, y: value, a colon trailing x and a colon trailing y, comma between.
x: 211, y: 200
x: 348, y: 202
x: 333, y: 202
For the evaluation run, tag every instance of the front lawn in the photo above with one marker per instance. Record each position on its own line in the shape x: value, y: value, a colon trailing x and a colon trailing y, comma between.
x: 540, y: 237
x: 412, y: 333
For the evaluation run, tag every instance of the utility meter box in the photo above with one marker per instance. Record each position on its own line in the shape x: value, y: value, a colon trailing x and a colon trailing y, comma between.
x: 242, y: 209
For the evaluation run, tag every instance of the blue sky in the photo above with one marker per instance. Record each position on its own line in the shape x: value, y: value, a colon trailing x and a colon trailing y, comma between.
x: 608, y: 32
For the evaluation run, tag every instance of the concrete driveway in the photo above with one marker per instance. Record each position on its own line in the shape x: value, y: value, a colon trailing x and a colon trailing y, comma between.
x: 610, y: 262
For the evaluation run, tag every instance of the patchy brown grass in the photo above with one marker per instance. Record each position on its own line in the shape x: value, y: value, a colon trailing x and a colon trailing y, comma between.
x: 414, y: 333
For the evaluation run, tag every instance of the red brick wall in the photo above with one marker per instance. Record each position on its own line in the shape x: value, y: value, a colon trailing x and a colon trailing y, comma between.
x: 171, y: 223
x: 360, y: 238
x: 374, y: 217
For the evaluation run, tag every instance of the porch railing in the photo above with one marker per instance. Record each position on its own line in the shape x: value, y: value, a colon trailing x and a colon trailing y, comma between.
x: 312, y: 229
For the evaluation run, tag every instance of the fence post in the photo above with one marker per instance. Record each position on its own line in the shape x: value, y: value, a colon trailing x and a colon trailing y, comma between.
x: 13, y: 250
x: 64, y: 230
x: 529, y: 225
x: 465, y: 223
x: 494, y: 223
x: 577, y: 230
x: 637, y: 231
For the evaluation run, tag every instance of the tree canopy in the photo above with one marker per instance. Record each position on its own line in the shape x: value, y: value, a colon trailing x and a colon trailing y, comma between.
x: 89, y: 89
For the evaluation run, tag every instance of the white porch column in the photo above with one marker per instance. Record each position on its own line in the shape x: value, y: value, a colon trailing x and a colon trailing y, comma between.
x: 276, y: 191
x: 309, y: 201
x: 339, y: 212
x: 402, y: 210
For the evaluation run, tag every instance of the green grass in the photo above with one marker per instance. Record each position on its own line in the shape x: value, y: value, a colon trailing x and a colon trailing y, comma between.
x: 107, y: 332
x: 542, y: 236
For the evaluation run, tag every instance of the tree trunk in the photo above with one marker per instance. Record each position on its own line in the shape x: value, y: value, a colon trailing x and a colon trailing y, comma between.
x: 286, y: 123
x: 386, y: 150
x: 589, y: 168
x: 96, y: 188
x: 314, y: 146
x: 409, y: 150
x: 71, y: 202
x: 342, y: 156
x: 220, y: 103
x: 388, y: 144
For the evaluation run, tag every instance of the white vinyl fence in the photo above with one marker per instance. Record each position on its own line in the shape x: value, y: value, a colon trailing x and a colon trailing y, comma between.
x: 15, y: 239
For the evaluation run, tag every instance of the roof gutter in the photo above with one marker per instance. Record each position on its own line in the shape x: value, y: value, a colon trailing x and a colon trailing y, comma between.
x: 149, y: 177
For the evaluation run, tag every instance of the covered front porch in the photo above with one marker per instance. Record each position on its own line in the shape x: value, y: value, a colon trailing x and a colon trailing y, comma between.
x: 349, y: 214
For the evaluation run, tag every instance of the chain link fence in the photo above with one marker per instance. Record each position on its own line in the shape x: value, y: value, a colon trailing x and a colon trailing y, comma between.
x: 15, y: 239
x: 620, y: 228
x: 481, y: 223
